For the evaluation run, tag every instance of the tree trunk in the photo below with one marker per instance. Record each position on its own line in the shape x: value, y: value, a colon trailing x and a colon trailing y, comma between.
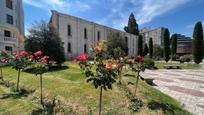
x: 1, y: 77
x: 41, y: 96
x: 136, y: 84
x: 19, y: 73
x: 100, y: 101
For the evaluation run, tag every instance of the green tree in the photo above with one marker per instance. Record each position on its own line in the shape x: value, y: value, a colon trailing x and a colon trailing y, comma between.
x: 44, y: 37
x: 173, y: 45
x: 198, y: 43
x: 146, y: 50
x: 132, y: 25
x: 150, y: 48
x: 140, y: 45
x: 117, y: 45
x: 166, y: 45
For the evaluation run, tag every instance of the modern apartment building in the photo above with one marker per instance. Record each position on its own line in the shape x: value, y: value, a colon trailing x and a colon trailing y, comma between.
x: 184, y: 45
x: 11, y: 25
x: 78, y: 35
x: 155, y: 34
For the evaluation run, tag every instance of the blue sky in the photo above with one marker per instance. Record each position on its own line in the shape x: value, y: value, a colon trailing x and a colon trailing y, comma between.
x: 177, y: 15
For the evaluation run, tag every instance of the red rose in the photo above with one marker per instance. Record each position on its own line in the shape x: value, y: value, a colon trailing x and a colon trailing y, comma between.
x: 45, y: 57
x: 108, y: 66
x: 139, y: 59
x: 44, y: 61
x: 17, y: 56
x: 31, y: 56
x: 38, y: 53
x: 2, y: 52
x: 23, y: 53
x: 129, y: 61
x: 82, y: 57
x: 74, y: 60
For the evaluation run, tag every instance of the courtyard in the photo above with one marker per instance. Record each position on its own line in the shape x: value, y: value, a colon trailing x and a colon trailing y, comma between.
x: 185, y: 85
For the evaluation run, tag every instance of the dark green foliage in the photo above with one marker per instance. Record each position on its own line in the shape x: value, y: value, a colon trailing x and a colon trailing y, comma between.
x: 140, y: 45
x: 117, y: 45
x: 44, y: 37
x: 198, y: 43
x: 149, y: 63
x: 146, y: 50
x: 150, y: 48
x: 173, y: 44
x: 157, y: 52
x: 166, y: 45
x: 132, y: 25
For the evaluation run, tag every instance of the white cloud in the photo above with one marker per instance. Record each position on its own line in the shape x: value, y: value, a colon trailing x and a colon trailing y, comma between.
x: 145, y: 10
x: 191, y: 26
x: 60, y: 5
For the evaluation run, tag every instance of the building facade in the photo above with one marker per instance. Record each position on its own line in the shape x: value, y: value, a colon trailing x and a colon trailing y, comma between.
x: 11, y: 25
x: 78, y: 35
x: 155, y: 34
x: 184, y: 45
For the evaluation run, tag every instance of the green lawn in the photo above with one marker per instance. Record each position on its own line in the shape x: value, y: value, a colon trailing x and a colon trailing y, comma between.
x: 80, y: 98
x: 160, y: 65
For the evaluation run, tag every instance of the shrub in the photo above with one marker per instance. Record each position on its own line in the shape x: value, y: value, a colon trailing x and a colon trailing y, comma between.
x: 186, y: 58
x: 149, y: 63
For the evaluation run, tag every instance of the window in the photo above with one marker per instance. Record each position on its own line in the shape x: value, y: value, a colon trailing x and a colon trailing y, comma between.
x: 9, y: 4
x: 98, y: 35
x: 85, y: 48
x: 7, y: 33
x: 9, y: 19
x: 69, y: 30
x: 8, y: 48
x: 85, y: 33
x: 69, y: 48
x: 126, y: 39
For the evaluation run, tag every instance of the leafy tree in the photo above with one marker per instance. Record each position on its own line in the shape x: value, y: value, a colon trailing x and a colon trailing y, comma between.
x: 150, y: 48
x: 44, y: 37
x: 166, y: 45
x: 157, y: 52
x: 132, y: 25
x: 173, y: 45
x: 198, y: 43
x: 117, y: 45
x: 140, y: 45
x: 146, y: 50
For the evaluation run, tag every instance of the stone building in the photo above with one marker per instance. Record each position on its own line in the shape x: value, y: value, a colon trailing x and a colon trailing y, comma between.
x: 78, y: 35
x: 11, y: 25
x: 155, y: 34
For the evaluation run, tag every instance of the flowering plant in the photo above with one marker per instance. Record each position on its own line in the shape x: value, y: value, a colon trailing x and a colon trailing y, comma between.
x: 103, y: 75
x: 4, y: 59
x: 40, y: 64
x: 137, y: 66
x: 20, y: 61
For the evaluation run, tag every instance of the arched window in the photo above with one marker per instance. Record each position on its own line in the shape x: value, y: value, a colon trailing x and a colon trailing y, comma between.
x: 85, y: 48
x: 69, y: 47
x: 85, y: 33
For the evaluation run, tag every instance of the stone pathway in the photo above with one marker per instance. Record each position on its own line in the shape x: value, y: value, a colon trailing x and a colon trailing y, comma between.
x: 187, y: 86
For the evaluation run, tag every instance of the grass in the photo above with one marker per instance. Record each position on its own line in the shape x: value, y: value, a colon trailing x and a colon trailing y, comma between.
x: 78, y: 97
x: 160, y: 65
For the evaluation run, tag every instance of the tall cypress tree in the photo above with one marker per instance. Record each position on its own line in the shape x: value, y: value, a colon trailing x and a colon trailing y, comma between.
x: 132, y: 25
x: 173, y: 44
x: 198, y: 43
x: 146, y: 50
x: 150, y: 48
x: 140, y: 45
x: 166, y: 45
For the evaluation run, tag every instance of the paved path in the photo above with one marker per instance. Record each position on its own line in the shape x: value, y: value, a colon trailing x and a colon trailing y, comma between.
x: 187, y: 86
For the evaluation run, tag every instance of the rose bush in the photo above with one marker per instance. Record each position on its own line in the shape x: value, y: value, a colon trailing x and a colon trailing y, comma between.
x: 103, y: 75
x: 137, y: 66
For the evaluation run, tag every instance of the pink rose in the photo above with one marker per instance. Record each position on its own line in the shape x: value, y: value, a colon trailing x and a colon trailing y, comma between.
x: 38, y: 53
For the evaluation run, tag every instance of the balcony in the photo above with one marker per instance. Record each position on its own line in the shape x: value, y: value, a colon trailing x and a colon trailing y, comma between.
x: 10, y: 39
